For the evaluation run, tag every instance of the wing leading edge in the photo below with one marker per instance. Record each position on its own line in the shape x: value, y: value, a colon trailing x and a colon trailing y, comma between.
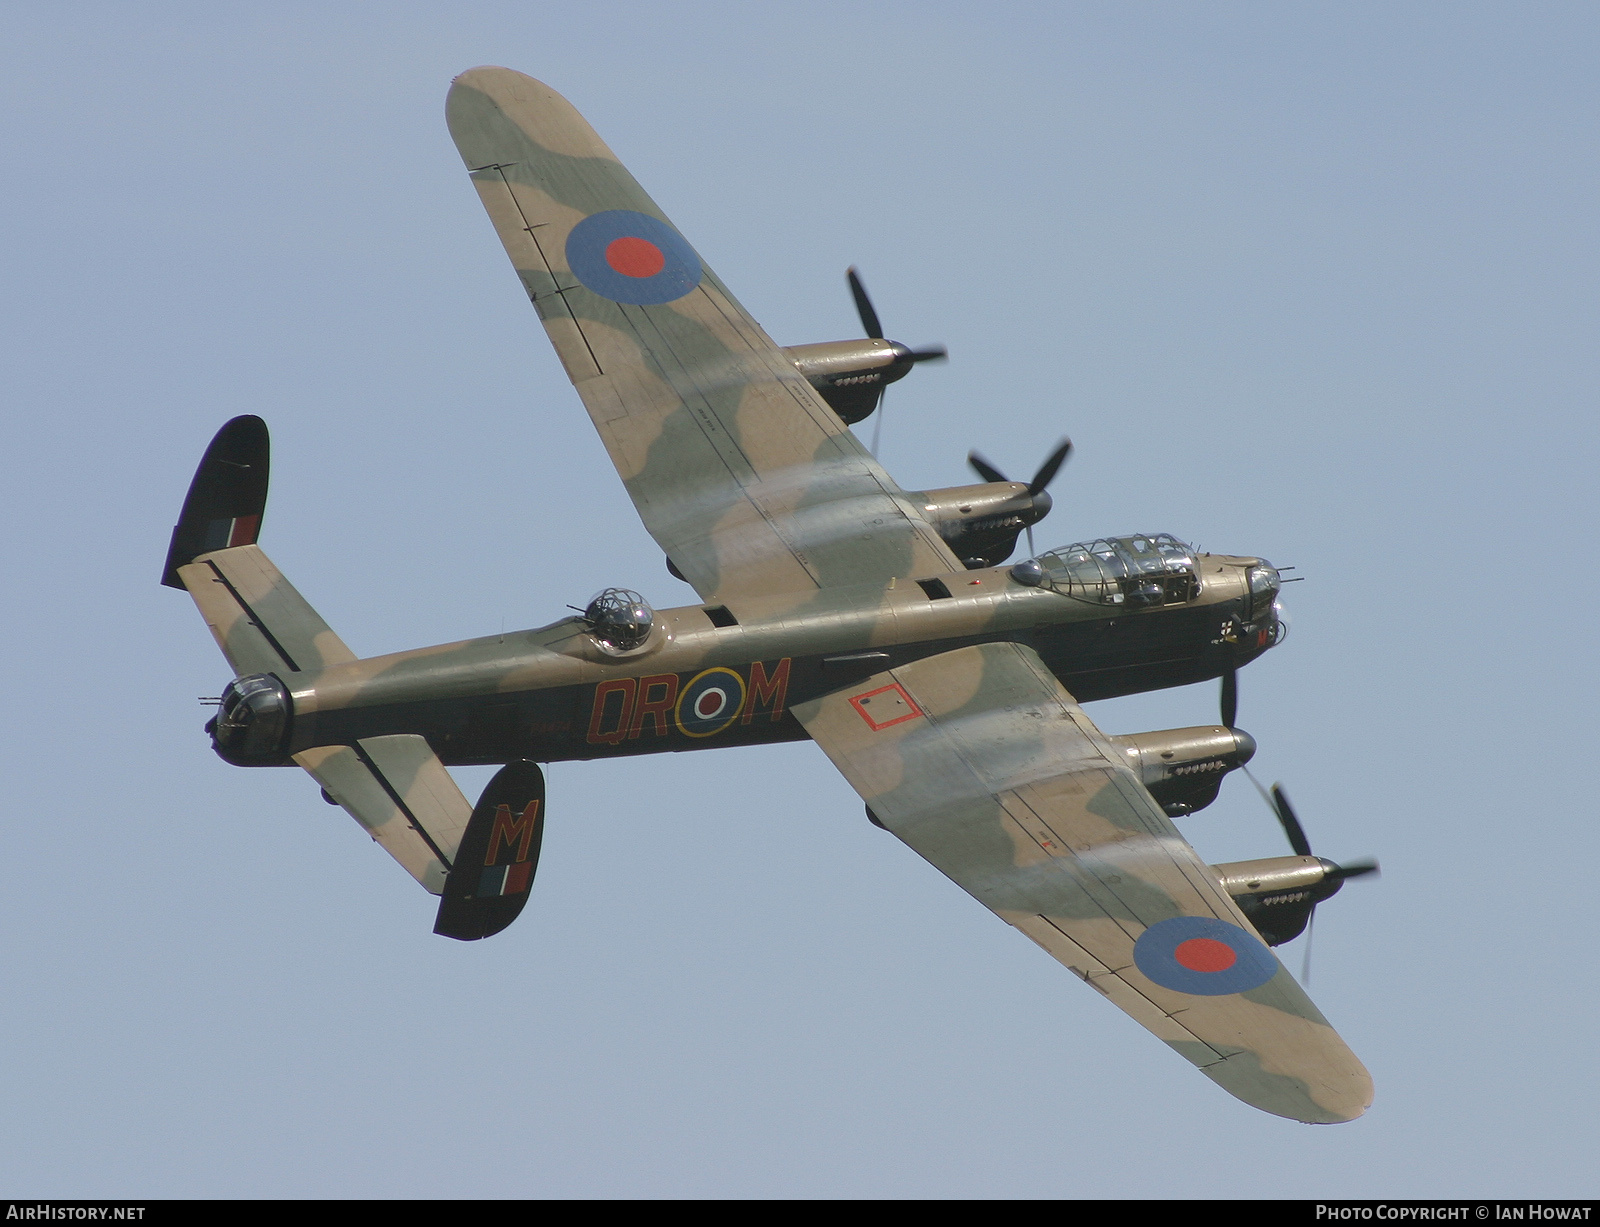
x: 983, y: 764
x: 738, y: 469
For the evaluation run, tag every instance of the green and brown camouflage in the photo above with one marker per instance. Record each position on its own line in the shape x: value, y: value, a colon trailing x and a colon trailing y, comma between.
x: 982, y: 763
x: 559, y: 692
x: 746, y: 478
x: 835, y: 606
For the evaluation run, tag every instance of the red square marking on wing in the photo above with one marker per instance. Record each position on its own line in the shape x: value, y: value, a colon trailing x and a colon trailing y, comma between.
x: 885, y: 706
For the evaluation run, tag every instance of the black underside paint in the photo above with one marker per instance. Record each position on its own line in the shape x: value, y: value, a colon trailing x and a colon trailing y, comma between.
x: 1097, y: 660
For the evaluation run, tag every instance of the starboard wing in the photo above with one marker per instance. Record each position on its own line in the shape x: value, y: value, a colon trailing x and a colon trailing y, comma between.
x: 983, y: 764
x: 741, y: 473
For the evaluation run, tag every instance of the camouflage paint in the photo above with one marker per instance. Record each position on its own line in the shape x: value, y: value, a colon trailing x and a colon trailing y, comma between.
x: 842, y: 614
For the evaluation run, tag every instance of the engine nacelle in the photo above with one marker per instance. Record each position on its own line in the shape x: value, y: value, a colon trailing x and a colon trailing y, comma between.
x: 1278, y: 892
x: 1183, y: 768
x: 980, y: 523
x: 1281, y: 879
x: 851, y: 375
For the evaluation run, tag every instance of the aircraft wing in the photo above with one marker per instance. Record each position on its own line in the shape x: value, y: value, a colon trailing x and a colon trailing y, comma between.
x: 980, y: 761
x: 738, y: 469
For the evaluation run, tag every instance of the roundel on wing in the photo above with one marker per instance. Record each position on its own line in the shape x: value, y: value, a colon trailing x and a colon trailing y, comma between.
x: 632, y: 258
x: 1203, y: 956
x: 710, y: 702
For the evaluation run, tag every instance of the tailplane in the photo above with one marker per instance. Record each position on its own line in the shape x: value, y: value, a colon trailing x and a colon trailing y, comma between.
x: 394, y: 785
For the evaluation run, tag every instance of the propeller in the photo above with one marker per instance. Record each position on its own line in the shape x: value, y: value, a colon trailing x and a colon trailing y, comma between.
x: 873, y: 327
x: 1302, y: 846
x: 1230, y: 698
x: 1279, y: 801
x: 1045, y: 475
x: 869, y: 317
x: 1336, y: 875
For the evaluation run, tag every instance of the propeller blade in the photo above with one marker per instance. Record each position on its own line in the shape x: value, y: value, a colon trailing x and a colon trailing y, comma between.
x: 1051, y: 466
x: 869, y: 317
x: 1356, y: 869
x: 984, y: 469
x: 1230, y: 698
x: 1291, y: 824
x: 1305, y: 961
x: 934, y: 353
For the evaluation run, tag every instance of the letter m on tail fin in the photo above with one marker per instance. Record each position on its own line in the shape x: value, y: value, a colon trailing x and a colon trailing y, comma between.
x: 514, y: 833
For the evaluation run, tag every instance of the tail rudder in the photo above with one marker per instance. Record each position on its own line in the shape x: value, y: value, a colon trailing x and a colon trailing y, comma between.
x: 226, y: 498
x: 258, y: 619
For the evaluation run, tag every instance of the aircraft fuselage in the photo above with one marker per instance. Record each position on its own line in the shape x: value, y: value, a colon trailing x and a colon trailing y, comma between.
x: 713, y: 676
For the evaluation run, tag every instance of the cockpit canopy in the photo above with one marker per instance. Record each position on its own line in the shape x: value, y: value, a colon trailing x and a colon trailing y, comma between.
x: 1146, y: 569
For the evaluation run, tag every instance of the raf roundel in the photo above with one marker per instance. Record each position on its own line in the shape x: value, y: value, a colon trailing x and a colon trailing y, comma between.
x: 632, y: 258
x: 1203, y: 956
x: 710, y: 702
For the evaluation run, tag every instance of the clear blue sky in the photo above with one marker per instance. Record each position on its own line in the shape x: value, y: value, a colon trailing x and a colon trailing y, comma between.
x: 1316, y: 282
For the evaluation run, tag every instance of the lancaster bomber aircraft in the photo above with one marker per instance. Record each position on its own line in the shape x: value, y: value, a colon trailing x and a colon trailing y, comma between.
x: 878, y: 622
